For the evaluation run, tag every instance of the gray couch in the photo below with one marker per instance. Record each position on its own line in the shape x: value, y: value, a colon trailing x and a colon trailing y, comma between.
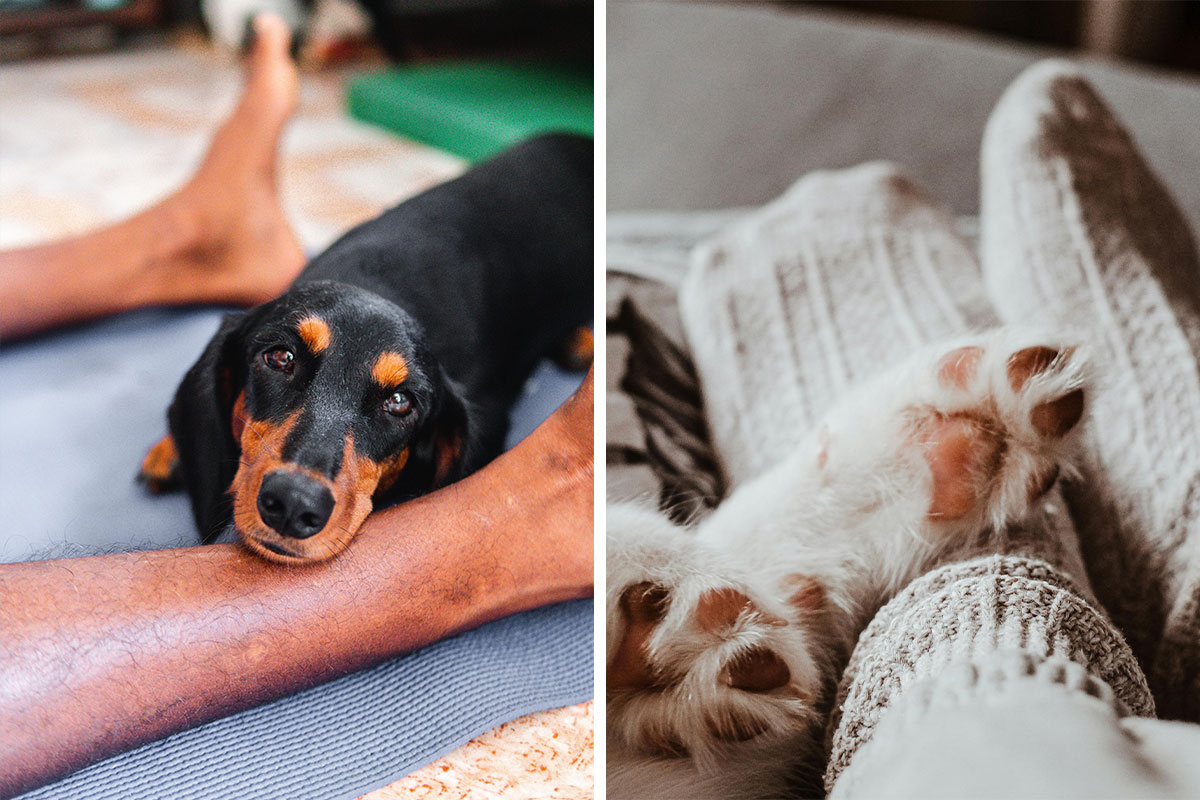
x: 713, y: 105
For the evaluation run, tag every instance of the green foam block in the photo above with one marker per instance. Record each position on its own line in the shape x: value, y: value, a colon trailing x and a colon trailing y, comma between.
x: 475, y: 109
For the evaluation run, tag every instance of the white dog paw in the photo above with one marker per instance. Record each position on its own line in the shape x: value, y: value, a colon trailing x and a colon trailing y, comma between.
x: 992, y: 428
x: 698, y: 662
x: 959, y: 439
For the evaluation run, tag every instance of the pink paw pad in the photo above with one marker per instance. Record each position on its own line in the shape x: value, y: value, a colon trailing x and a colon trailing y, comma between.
x: 958, y: 367
x: 965, y: 450
x: 718, y: 616
x: 959, y: 450
x: 1054, y: 417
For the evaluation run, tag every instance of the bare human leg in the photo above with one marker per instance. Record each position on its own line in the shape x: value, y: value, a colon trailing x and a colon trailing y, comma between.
x: 221, y: 238
x: 102, y: 654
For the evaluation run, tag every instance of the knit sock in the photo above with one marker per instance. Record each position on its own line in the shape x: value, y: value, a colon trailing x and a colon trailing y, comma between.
x: 842, y: 276
x: 971, y: 635
x: 1077, y: 231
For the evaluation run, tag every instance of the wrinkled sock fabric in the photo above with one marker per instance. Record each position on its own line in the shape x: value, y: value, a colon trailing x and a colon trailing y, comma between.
x: 985, y: 635
x: 1077, y: 231
x: 845, y: 274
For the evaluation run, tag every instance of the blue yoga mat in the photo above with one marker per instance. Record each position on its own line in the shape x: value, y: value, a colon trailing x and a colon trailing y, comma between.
x: 78, y: 409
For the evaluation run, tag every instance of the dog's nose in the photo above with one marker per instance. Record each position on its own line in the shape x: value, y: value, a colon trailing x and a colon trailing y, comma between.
x: 293, y: 504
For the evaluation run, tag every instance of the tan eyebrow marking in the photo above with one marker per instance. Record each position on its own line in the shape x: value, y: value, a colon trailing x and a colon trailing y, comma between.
x: 315, y: 333
x: 390, y: 369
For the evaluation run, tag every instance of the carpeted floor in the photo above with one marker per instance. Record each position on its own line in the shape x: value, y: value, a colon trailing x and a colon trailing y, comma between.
x: 87, y: 141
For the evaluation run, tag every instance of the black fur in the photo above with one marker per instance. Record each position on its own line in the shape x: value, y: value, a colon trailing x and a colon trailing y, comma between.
x: 472, y: 282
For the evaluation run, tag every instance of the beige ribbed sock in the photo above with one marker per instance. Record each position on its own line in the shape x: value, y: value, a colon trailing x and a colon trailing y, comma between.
x: 1077, y: 231
x: 967, y: 635
x: 844, y: 275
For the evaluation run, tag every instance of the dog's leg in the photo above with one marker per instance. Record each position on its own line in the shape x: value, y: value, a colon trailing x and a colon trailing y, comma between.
x: 722, y: 642
x: 160, y: 467
x: 576, y: 352
x: 941, y: 455
x: 956, y: 442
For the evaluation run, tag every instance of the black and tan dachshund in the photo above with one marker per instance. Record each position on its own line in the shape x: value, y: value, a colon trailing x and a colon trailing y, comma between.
x: 390, y: 366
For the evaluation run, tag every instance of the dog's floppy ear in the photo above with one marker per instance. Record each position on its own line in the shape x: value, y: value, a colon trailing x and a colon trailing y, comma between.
x: 200, y: 420
x: 451, y: 439
x: 442, y: 451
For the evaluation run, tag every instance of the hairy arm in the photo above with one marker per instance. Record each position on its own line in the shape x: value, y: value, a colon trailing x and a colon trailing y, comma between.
x: 101, y: 654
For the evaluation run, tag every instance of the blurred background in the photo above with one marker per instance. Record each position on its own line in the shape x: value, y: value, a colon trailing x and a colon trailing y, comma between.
x: 1161, y: 32
x: 723, y: 104
x: 332, y: 28
x: 109, y: 103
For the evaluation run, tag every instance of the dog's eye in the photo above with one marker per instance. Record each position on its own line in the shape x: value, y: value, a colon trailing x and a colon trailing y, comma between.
x: 280, y: 360
x: 398, y: 404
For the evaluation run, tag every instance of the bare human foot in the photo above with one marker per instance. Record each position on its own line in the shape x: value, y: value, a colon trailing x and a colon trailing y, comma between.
x: 221, y: 238
x: 244, y: 251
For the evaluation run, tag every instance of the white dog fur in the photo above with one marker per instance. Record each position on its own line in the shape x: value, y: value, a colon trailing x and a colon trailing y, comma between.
x: 725, y: 641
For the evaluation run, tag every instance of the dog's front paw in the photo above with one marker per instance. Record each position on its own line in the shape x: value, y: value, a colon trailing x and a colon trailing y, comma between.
x: 160, y: 467
x: 960, y: 439
x: 699, y: 663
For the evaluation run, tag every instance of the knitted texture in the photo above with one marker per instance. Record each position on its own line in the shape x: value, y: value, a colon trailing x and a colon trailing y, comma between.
x: 657, y: 245
x: 1008, y: 724
x: 979, y: 621
x: 1003, y: 602
x: 1077, y: 230
x: 846, y: 273
x: 656, y: 452
x: 660, y: 379
x: 852, y: 270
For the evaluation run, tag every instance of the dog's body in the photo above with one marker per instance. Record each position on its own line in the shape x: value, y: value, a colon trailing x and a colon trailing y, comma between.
x: 724, y: 644
x: 496, y: 266
x: 390, y: 366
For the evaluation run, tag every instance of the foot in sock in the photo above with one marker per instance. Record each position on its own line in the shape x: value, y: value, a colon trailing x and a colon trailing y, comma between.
x: 723, y: 645
x: 1077, y: 232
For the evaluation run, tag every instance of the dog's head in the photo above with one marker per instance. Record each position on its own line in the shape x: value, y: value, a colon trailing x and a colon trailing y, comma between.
x: 305, y: 412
